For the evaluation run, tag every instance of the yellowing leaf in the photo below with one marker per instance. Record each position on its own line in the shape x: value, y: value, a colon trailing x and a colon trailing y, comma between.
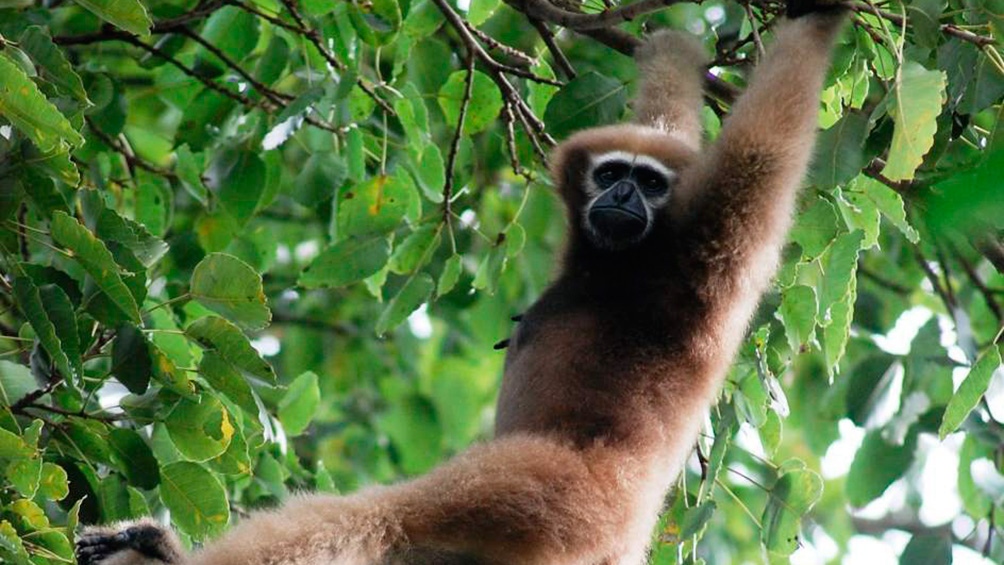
x: 918, y: 95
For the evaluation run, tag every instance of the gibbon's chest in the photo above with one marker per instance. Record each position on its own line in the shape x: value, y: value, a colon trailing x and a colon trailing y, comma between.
x: 583, y: 366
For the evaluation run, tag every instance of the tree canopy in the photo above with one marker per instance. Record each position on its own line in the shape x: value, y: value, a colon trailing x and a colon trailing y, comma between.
x: 254, y: 246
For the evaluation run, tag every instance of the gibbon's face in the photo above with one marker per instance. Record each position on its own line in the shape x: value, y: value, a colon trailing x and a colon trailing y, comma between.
x: 624, y: 191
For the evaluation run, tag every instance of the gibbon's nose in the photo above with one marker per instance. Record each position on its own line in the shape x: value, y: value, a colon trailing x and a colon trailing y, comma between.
x: 622, y: 192
x: 619, y: 213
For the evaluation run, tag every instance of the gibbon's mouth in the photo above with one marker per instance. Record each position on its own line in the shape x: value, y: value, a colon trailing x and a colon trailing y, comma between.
x: 616, y: 223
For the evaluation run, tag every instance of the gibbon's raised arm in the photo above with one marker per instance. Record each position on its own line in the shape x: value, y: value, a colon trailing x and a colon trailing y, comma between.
x: 744, y: 186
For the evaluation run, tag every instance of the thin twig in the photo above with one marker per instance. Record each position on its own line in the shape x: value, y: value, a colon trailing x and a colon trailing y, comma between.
x: 947, y: 29
x: 497, y: 45
x: 560, y: 59
x: 451, y: 159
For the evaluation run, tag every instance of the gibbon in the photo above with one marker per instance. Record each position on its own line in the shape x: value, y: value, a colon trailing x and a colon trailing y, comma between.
x: 610, y: 374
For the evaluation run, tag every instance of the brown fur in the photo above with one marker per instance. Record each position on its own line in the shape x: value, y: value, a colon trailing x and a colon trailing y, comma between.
x: 611, y: 372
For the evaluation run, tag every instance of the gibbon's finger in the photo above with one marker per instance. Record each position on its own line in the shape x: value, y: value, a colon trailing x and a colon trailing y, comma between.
x: 96, y: 552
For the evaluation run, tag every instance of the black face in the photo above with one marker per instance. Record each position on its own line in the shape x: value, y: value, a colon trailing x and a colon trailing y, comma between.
x: 621, y: 215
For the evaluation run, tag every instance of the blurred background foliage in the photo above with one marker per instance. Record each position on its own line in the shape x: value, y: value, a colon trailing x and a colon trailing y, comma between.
x: 255, y: 246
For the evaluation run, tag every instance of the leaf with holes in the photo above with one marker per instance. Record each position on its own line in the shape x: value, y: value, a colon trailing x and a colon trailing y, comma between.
x: 795, y: 493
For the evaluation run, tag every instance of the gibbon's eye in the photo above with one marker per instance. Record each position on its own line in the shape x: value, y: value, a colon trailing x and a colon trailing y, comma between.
x: 609, y: 173
x: 651, y: 181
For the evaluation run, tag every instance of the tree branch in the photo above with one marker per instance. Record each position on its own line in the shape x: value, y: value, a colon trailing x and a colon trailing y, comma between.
x: 544, y: 10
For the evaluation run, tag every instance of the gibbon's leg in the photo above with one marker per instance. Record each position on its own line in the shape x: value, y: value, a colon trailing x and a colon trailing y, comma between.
x: 671, y: 66
x: 745, y: 185
x: 517, y: 499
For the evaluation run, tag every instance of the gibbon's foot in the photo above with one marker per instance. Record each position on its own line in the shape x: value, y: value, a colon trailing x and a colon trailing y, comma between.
x: 148, y: 539
x: 799, y: 8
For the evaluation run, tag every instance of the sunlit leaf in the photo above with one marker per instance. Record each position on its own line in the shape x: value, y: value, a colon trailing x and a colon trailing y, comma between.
x: 24, y: 106
x: 916, y: 101
x: 970, y: 391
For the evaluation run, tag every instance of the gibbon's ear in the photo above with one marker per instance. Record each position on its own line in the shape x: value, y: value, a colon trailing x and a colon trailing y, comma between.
x: 569, y: 165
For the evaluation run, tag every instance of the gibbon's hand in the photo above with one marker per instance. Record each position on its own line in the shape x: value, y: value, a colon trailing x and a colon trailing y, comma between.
x: 799, y: 8
x: 144, y: 537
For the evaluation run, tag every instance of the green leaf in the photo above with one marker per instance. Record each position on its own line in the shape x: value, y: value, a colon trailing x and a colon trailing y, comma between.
x: 876, y: 465
x: 889, y: 203
x: 27, y: 109
x: 815, y: 228
x: 348, y: 261
x: 230, y: 287
x: 840, y: 151
x: 970, y: 391
x: 232, y: 31
x: 376, y: 21
x: 838, y: 328
x: 24, y: 475
x: 225, y: 378
x: 134, y: 458
x: 200, y: 429
x: 798, y: 314
x: 490, y: 269
x: 13, y: 446
x: 196, y: 499
x: 53, y: 484
x: 450, y: 275
x: 485, y: 103
x: 416, y: 250
x: 238, y: 179
x: 95, y: 258
x: 50, y: 313
x: 298, y: 407
x: 795, y: 493
x: 376, y: 206
x: 413, y: 294
x: 16, y: 382
x: 319, y: 179
x: 916, y: 101
x: 131, y: 360
x: 189, y: 167
x: 129, y: 15
x: 54, y: 66
x: 113, y: 228
x: 927, y: 549
x: 588, y: 100
x: 696, y: 518
x: 232, y: 345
